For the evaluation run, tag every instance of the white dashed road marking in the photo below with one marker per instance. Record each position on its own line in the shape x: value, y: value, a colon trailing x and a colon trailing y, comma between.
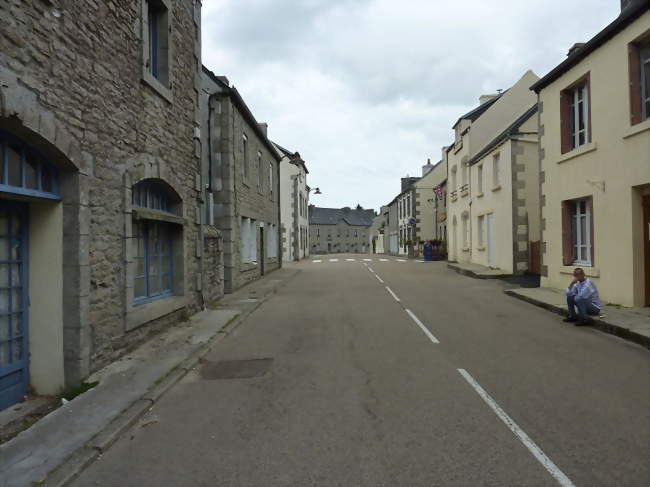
x: 421, y: 325
x: 334, y: 260
x: 379, y: 279
x: 557, y: 474
x: 401, y: 260
x: 367, y: 260
x: 350, y: 260
x: 370, y: 269
x: 316, y: 261
x: 384, y: 260
x: 392, y: 294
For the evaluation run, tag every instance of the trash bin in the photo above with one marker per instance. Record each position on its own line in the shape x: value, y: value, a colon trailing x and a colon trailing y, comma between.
x: 428, y: 252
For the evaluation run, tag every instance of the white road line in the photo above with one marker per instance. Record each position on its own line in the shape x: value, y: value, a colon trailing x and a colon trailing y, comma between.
x: 367, y: 260
x: 392, y: 294
x: 401, y: 260
x: 350, y: 260
x: 370, y: 269
x: 421, y: 325
x: 334, y: 260
x: 379, y: 279
x: 384, y: 260
x: 557, y: 474
x: 316, y: 261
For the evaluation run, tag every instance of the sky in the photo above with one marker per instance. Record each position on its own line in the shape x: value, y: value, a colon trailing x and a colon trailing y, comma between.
x: 368, y: 90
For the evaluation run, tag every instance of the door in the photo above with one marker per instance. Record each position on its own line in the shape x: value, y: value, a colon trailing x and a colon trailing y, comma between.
x: 491, y: 240
x: 14, y: 374
x: 646, y: 240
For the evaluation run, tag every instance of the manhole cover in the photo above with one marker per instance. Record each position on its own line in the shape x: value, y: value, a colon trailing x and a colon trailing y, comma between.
x: 236, y: 369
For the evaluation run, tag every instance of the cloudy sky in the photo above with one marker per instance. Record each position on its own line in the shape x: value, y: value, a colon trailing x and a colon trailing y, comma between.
x: 367, y: 90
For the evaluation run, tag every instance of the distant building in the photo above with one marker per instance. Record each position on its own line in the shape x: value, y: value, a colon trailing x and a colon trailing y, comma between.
x: 378, y: 236
x: 594, y: 112
x: 333, y: 230
x: 430, y: 203
x: 241, y: 167
x: 294, y: 201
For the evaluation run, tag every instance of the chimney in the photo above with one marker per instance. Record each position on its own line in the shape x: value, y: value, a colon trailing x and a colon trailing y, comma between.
x: 426, y: 169
x: 224, y: 80
x: 264, y: 127
x: 484, y: 98
x: 575, y: 48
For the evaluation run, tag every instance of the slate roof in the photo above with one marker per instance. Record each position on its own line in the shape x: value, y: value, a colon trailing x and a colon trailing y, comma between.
x: 331, y: 216
x: 633, y: 11
x: 479, y: 110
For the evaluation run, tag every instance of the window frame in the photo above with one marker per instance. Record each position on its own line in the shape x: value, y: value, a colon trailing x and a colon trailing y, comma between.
x: 573, y: 241
x: 496, y: 170
x: 480, y: 231
x: 644, y: 68
x: 570, y: 112
x: 259, y: 171
x: 245, y: 168
x: 162, y: 57
x: 163, y: 291
x: 479, y: 178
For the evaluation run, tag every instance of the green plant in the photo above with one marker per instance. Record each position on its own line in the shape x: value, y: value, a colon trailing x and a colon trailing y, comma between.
x: 80, y: 389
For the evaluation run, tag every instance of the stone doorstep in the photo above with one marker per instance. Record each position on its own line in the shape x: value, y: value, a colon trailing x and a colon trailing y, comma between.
x: 120, y: 417
x: 477, y: 271
x: 627, y: 323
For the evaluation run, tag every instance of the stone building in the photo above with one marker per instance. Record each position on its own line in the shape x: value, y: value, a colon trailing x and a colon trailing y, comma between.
x: 242, y: 190
x: 99, y: 237
x: 334, y: 230
x: 594, y: 136
x: 294, y: 204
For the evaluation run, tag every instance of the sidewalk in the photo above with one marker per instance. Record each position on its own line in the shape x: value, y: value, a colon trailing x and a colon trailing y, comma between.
x: 477, y: 271
x: 72, y: 436
x: 628, y: 323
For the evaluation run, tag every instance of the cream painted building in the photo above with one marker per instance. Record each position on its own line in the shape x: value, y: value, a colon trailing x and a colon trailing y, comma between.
x: 294, y: 205
x: 475, y: 131
x: 429, y: 205
x: 595, y: 161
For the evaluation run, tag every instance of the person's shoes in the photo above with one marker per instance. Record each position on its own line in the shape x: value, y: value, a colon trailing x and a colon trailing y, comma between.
x: 570, y: 319
x: 583, y: 322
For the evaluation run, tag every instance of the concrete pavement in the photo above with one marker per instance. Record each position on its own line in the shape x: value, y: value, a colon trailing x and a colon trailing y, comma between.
x: 358, y: 394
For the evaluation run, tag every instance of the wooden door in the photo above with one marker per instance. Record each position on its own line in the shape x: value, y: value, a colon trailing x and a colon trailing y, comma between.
x: 646, y: 243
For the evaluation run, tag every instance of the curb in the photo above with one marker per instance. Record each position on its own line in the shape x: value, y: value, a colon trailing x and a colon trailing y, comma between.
x: 468, y: 273
x: 84, y: 456
x: 598, y: 323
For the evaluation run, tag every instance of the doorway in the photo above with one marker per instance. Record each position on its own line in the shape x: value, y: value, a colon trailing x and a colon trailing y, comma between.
x: 14, y: 373
x: 491, y: 239
x: 646, y: 243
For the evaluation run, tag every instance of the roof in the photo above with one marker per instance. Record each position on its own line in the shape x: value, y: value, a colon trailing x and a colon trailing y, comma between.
x: 508, y: 132
x: 628, y: 15
x: 294, y: 157
x: 479, y: 110
x: 332, y: 216
x: 238, y: 101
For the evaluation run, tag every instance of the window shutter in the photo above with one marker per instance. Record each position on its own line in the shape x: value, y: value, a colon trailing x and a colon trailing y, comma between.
x: 588, y: 100
x: 634, y: 64
x: 567, y: 233
x: 590, y: 209
x: 565, y: 121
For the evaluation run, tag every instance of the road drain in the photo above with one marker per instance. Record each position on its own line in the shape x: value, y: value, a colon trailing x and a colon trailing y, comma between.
x: 236, y: 369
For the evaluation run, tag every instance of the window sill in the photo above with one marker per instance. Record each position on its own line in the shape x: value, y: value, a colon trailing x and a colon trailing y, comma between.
x: 496, y: 188
x: 454, y: 198
x: 465, y: 249
x: 145, y: 214
x: 463, y: 194
x: 637, y: 129
x: 589, y: 271
x: 479, y: 195
x: 248, y: 266
x: 583, y: 149
x: 157, y: 86
x: 481, y: 248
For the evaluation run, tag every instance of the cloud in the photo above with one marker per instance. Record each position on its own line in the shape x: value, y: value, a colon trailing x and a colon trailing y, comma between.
x: 367, y: 90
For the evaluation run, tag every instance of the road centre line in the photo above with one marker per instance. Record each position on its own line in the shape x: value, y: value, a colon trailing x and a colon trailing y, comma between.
x: 316, y: 261
x: 334, y: 260
x: 379, y: 279
x: 421, y: 325
x: 392, y: 294
x: 546, y: 462
x: 370, y: 269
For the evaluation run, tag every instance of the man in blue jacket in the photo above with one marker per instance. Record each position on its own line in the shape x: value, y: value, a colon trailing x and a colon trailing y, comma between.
x: 583, y: 295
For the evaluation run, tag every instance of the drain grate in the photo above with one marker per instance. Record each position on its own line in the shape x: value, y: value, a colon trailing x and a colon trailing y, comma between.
x: 236, y: 369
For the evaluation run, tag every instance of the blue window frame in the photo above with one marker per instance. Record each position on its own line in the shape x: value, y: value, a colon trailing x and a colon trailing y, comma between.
x: 152, y: 195
x: 24, y: 171
x: 153, y: 256
x: 154, y: 19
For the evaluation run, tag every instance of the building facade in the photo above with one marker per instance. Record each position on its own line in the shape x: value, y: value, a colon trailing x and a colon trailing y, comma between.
x: 406, y: 215
x: 294, y: 201
x: 334, y: 230
x: 99, y: 196
x: 377, y: 233
x: 474, y: 133
x: 595, y: 161
x: 430, y: 204
x: 243, y: 184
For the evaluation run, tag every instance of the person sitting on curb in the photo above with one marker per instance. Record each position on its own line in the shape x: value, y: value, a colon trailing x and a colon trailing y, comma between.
x: 582, y: 294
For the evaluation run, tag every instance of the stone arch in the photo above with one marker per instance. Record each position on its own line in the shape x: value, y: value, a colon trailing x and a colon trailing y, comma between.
x: 23, y: 115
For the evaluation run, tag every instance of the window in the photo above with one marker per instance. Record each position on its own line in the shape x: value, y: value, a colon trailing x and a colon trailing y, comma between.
x: 245, y: 162
x: 156, y: 46
x: 577, y: 232
x: 454, y: 182
x: 575, y: 121
x: 356, y: 233
x: 271, y: 178
x: 248, y: 243
x: 639, y: 66
x: 463, y: 174
x: 496, y: 179
x: 465, y: 231
x: 259, y: 171
x: 153, y: 257
x: 479, y: 180
x: 408, y: 204
x: 481, y: 231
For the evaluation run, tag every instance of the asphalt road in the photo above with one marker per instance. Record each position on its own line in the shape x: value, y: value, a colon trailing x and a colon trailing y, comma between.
x: 493, y: 391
